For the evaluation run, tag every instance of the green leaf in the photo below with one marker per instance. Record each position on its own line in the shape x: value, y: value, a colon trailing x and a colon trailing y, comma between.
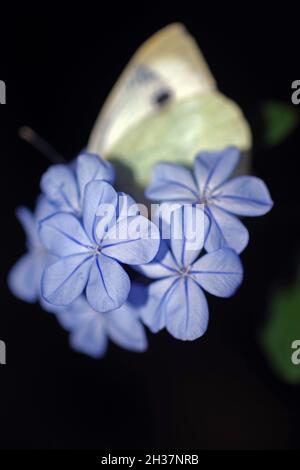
x: 282, y: 328
x: 279, y: 121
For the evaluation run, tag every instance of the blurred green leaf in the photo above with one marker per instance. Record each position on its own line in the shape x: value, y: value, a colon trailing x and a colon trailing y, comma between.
x: 279, y: 121
x: 282, y: 328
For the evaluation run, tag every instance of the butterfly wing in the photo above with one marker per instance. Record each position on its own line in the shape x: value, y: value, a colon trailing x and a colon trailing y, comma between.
x: 165, y: 105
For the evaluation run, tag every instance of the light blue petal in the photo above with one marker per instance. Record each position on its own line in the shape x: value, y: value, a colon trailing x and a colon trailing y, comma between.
x: 59, y: 186
x: 220, y: 273
x: 90, y: 337
x: 171, y: 182
x: 43, y: 209
x: 108, y: 285
x: 213, y: 168
x: 75, y: 314
x: 24, y: 278
x: 163, y: 265
x: 189, y: 228
x: 133, y: 240
x: 153, y: 313
x: 186, y: 310
x: 226, y: 230
x: 245, y: 195
x: 65, y: 280
x: 127, y: 206
x: 125, y: 329
x: 99, y: 208
x: 28, y: 223
x: 90, y: 167
x: 63, y: 235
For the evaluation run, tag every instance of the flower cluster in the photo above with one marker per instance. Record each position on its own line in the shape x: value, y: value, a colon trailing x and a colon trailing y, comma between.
x: 84, y: 236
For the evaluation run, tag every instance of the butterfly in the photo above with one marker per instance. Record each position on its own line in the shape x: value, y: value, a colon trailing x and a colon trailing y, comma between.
x: 166, y: 106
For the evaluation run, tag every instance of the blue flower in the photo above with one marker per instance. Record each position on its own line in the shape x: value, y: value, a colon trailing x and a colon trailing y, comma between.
x: 243, y: 196
x: 65, y: 187
x: 91, y: 249
x: 91, y: 330
x: 176, y: 300
x: 25, y: 276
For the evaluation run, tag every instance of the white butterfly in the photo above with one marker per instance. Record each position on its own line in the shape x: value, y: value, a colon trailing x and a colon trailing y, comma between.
x: 166, y: 106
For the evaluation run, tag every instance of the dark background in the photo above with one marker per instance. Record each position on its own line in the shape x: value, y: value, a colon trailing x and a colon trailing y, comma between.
x: 215, y: 393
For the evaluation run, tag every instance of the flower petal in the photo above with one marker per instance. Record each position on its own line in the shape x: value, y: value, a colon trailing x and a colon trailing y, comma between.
x: 125, y: 328
x: 245, y: 195
x: 108, y: 285
x: 163, y: 265
x: 153, y: 313
x: 226, y: 230
x: 99, y: 208
x: 186, y: 310
x: 127, y: 206
x: 90, y: 167
x: 220, y: 273
x: 90, y: 337
x: 213, y: 168
x: 171, y: 182
x: 24, y: 278
x: 63, y: 235
x: 189, y: 228
x: 28, y: 223
x: 133, y: 240
x: 59, y: 185
x: 65, y: 280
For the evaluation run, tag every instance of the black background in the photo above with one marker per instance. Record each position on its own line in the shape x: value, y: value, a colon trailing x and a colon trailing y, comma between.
x: 215, y: 393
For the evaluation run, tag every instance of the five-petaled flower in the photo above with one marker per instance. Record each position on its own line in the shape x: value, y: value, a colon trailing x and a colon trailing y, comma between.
x: 65, y: 187
x: 223, y: 200
x: 91, y: 330
x: 176, y: 300
x: 91, y: 249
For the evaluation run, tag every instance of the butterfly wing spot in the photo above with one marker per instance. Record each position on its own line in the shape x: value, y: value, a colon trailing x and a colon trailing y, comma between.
x: 162, y: 97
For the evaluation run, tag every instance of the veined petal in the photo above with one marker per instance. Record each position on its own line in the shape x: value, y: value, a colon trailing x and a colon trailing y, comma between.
x: 65, y: 280
x: 63, y: 235
x: 24, y: 278
x: 220, y: 273
x: 189, y: 228
x: 226, y: 230
x: 59, y: 185
x: 186, y: 310
x: 133, y: 240
x: 245, y: 195
x: 99, y: 208
x: 90, y: 167
x: 108, y: 285
x: 43, y: 209
x: 213, y: 168
x: 153, y: 313
x: 163, y: 265
x: 171, y: 182
x: 125, y: 328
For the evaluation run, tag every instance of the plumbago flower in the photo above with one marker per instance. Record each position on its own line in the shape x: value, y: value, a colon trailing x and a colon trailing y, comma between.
x: 65, y: 188
x: 91, y: 249
x: 176, y: 300
x: 24, y: 278
x: 91, y: 330
x: 223, y: 200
